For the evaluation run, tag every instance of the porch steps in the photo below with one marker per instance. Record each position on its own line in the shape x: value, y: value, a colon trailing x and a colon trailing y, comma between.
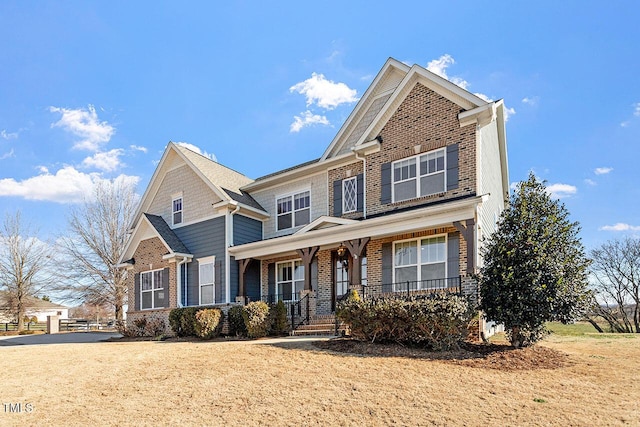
x: 320, y: 325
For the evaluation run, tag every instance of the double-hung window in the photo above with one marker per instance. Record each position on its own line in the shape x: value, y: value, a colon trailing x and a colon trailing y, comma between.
x: 419, y: 176
x: 349, y: 195
x: 152, y: 293
x: 176, y: 210
x: 289, y: 280
x: 422, y: 263
x: 206, y: 279
x: 293, y: 210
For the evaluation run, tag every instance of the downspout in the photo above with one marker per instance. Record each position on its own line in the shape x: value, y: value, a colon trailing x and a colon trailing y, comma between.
x: 364, y: 182
x: 179, y: 272
x: 228, y: 244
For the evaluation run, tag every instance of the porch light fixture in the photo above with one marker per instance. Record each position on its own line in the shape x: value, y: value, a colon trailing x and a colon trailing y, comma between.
x: 342, y: 250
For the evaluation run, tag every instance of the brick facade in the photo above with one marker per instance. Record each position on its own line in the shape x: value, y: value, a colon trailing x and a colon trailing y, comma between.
x: 428, y: 121
x: 148, y: 256
x: 341, y: 173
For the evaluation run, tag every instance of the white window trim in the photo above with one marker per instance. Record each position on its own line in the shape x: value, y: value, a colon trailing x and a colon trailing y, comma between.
x: 353, y: 179
x: 204, y: 261
x: 152, y: 290
x: 292, y: 263
x: 418, y: 258
x: 173, y: 200
x: 293, y: 210
x: 418, y: 176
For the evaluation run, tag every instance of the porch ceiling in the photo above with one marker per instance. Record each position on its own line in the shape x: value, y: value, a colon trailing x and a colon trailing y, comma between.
x: 375, y: 228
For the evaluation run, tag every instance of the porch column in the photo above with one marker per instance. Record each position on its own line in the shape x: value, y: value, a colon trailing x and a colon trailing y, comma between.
x: 356, y: 248
x: 307, y: 255
x: 467, y: 231
x: 242, y: 267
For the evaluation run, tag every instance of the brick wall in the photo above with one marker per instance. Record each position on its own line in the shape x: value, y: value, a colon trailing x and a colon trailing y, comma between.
x: 429, y: 121
x: 343, y: 172
x: 148, y: 256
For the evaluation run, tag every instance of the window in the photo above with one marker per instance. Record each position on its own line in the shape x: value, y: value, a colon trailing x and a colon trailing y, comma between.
x: 349, y: 195
x: 419, y: 176
x: 206, y: 270
x: 293, y: 210
x: 151, y: 290
x: 177, y: 211
x: 290, y: 280
x: 421, y: 263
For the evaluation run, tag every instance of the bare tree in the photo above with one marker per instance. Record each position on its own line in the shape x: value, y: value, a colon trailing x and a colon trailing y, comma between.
x: 97, y: 237
x: 616, y: 273
x: 25, y: 263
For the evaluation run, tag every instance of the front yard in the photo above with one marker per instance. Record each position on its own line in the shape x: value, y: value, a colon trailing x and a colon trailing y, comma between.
x: 293, y: 382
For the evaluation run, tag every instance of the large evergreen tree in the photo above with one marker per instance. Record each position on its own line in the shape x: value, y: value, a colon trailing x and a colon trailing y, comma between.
x: 535, y: 267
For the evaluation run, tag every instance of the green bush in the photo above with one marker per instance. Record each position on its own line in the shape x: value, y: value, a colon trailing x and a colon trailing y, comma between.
x: 435, y: 321
x: 209, y: 323
x: 183, y: 321
x: 236, y: 321
x: 279, y: 321
x: 256, y: 319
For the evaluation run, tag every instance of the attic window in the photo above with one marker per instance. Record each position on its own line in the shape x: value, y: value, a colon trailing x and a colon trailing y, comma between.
x: 177, y: 211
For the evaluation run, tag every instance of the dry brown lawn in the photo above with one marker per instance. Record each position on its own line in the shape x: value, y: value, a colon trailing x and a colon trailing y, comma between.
x: 293, y: 382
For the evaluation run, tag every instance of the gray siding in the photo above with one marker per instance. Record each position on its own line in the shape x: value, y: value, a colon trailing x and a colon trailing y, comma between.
x: 203, y: 240
x: 246, y: 230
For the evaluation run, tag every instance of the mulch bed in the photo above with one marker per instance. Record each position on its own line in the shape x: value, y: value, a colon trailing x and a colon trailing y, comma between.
x: 487, y: 356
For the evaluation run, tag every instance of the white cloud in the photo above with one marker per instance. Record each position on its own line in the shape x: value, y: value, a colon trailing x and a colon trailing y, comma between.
x: 590, y: 182
x: 138, y: 148
x: 307, y: 119
x: 84, y: 124
x: 636, y: 109
x: 625, y: 124
x: 8, y: 154
x: 68, y: 185
x: 560, y: 191
x: 439, y: 66
x: 196, y: 149
x: 532, y: 101
x: 324, y: 93
x: 106, y: 161
x: 42, y: 169
x: 620, y: 226
x: 8, y: 135
x: 602, y: 171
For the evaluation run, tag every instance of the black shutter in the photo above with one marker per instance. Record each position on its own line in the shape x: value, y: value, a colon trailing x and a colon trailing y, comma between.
x: 385, y: 183
x: 165, y: 285
x: 271, y: 278
x: 337, y: 198
x: 452, y: 167
x: 387, y: 267
x: 453, y: 255
x: 136, y: 291
x: 360, y: 192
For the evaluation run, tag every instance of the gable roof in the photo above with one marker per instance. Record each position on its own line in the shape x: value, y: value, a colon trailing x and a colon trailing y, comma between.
x: 223, y: 181
x: 167, y: 234
x: 148, y: 227
x: 32, y: 303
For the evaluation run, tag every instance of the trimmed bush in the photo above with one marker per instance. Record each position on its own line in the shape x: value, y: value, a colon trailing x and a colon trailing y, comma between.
x: 435, y: 321
x: 279, y: 322
x: 256, y: 319
x: 236, y: 321
x: 183, y: 321
x: 209, y: 323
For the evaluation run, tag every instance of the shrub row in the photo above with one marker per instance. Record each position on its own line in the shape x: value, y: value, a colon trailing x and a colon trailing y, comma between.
x: 436, y: 321
x: 258, y: 319
x: 203, y: 322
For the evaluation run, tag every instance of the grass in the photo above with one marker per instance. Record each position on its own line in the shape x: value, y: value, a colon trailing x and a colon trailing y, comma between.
x: 574, y: 329
x: 291, y: 382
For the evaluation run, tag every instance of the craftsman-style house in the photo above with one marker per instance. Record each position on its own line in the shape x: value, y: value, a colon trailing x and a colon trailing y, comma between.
x: 400, y: 201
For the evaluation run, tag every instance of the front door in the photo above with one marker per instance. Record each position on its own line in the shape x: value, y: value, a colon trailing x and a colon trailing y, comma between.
x: 340, y: 277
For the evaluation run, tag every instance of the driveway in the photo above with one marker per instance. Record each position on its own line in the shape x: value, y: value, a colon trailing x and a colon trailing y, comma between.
x: 64, y: 338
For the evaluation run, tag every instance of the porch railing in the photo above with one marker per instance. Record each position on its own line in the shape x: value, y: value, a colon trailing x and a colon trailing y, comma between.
x: 409, y: 288
x: 298, y: 310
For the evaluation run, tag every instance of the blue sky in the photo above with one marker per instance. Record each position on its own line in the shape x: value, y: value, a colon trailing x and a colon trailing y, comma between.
x: 95, y: 90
